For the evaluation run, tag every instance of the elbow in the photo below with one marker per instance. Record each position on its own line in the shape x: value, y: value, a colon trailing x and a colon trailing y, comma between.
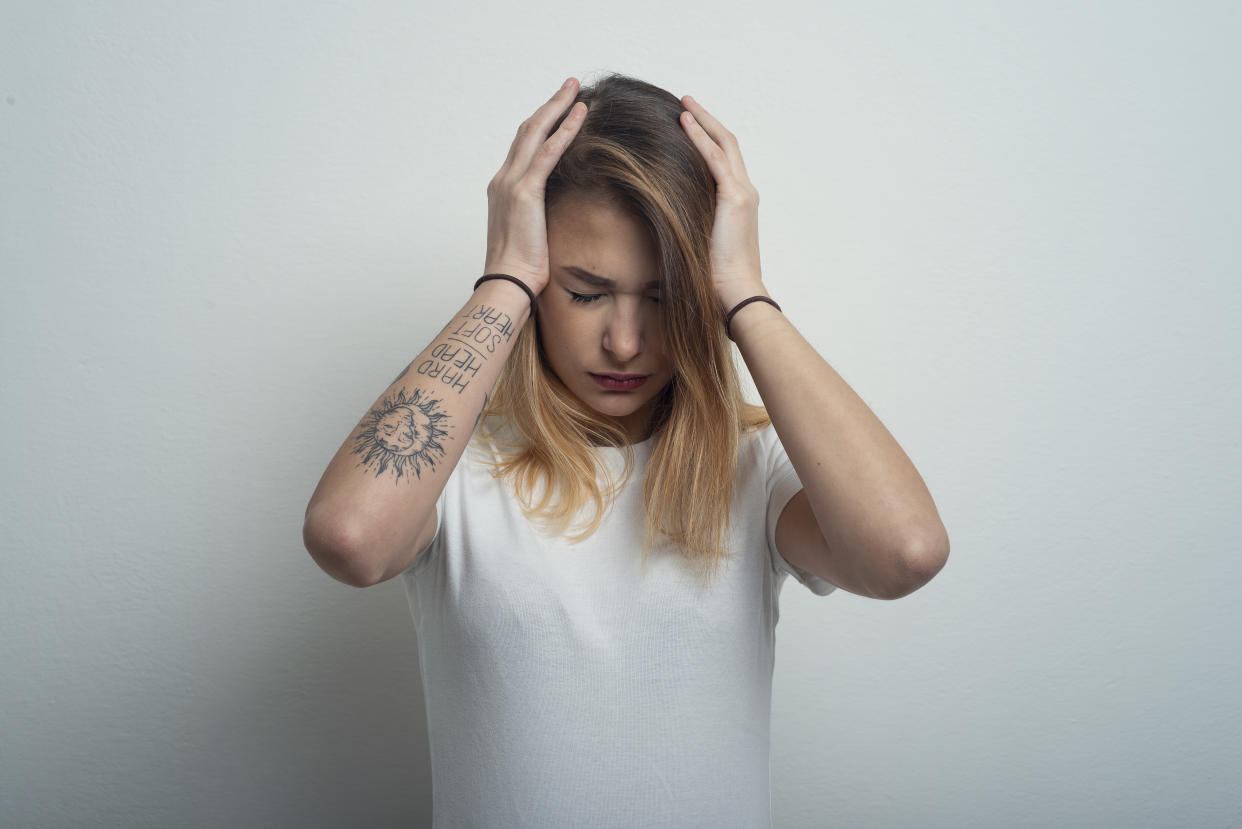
x: 918, y: 564
x: 330, y: 545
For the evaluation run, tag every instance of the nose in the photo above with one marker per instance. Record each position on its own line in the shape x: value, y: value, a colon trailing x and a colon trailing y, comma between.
x: 624, y: 329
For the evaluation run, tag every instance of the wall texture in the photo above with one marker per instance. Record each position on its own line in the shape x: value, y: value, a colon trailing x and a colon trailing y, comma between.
x: 1013, y: 228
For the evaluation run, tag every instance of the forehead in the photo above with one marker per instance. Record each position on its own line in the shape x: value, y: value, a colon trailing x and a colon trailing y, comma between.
x: 596, y: 243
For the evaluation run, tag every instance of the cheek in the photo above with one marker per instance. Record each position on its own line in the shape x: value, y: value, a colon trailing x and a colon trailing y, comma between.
x: 573, y: 332
x: 564, y: 337
x: 656, y: 346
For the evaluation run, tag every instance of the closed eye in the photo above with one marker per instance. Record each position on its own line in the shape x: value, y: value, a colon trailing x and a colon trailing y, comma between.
x: 576, y: 297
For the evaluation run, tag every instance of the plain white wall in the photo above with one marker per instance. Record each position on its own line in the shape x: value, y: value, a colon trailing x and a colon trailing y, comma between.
x: 1013, y: 228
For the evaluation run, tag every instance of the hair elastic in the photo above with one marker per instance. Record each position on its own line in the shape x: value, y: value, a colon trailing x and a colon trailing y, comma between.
x: 744, y: 302
x: 512, y: 279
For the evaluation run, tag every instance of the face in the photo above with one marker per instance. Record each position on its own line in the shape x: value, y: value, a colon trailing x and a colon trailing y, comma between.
x: 590, y: 328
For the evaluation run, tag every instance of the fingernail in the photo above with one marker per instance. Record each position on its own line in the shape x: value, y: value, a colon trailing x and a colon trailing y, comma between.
x: 568, y: 83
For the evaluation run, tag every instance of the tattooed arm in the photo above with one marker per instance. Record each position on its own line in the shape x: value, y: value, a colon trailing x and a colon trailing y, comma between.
x: 375, y: 506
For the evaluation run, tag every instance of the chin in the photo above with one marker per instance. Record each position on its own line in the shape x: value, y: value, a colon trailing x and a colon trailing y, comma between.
x: 613, y: 403
x: 619, y: 410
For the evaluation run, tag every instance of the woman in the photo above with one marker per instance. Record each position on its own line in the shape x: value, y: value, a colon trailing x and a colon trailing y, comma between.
x: 568, y: 679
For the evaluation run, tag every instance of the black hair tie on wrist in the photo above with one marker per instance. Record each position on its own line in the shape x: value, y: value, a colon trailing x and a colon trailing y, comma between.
x: 512, y: 279
x: 743, y: 303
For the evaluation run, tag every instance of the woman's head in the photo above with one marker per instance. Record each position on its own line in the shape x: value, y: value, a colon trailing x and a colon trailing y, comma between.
x: 631, y: 165
x: 601, y: 312
x: 630, y: 200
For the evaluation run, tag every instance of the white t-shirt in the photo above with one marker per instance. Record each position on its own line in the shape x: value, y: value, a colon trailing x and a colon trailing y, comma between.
x: 567, y: 688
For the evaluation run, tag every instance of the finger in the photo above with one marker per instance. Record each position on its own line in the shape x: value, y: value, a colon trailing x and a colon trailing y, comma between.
x: 715, y: 138
x: 723, y: 138
x: 533, y: 131
x: 548, y: 153
x: 716, y: 158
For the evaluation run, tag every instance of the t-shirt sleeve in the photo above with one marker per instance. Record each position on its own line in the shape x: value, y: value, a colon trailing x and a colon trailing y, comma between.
x: 782, y: 485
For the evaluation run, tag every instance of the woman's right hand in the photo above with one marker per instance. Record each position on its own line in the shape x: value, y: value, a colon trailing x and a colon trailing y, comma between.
x: 517, y: 230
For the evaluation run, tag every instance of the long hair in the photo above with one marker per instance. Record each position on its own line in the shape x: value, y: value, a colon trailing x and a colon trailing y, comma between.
x: 631, y: 151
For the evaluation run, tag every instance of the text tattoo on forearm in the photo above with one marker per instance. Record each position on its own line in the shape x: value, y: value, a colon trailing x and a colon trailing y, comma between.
x: 475, y: 335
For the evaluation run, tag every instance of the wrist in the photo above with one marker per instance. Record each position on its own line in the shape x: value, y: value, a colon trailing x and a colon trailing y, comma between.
x: 736, y: 328
x: 731, y: 295
x: 505, y: 295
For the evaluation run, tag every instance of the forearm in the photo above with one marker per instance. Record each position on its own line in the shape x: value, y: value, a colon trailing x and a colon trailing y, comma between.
x: 869, y: 500
x: 381, y: 486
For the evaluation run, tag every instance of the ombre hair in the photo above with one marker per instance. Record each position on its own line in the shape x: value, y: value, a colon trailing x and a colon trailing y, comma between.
x: 632, y: 152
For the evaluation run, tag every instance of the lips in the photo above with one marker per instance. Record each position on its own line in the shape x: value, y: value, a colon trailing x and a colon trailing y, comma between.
x: 619, y: 382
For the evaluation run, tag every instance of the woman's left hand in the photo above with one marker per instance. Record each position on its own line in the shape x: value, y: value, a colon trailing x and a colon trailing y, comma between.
x: 735, y: 232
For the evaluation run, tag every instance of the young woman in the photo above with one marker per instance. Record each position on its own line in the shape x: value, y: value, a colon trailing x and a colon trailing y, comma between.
x: 591, y: 524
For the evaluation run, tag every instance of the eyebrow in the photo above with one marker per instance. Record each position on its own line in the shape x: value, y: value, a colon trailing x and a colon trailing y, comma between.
x: 597, y: 280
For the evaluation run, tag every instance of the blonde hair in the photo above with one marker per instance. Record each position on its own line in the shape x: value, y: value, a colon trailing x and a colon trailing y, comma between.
x: 632, y: 152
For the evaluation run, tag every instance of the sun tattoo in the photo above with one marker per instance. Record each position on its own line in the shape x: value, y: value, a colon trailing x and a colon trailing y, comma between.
x: 404, y: 432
